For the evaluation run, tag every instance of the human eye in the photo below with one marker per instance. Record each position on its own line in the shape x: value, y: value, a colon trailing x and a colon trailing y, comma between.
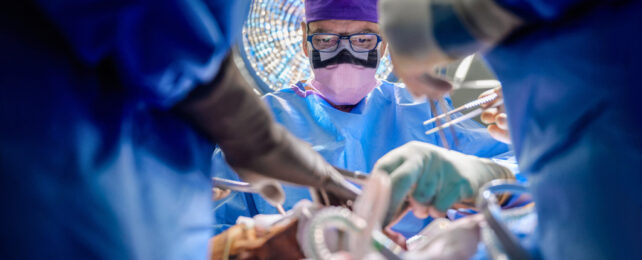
x: 324, y: 42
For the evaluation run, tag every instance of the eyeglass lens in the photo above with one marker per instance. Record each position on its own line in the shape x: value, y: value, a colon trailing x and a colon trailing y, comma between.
x: 358, y: 42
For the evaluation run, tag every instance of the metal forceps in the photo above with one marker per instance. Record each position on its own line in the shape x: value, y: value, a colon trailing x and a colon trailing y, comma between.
x: 269, y: 191
x: 226, y: 184
x: 468, y: 106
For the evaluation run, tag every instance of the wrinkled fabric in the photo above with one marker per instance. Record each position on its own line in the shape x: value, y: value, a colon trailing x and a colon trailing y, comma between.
x: 387, y: 118
x: 572, y: 93
x: 92, y: 164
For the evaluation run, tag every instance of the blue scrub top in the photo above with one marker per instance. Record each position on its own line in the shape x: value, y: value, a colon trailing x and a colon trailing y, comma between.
x: 571, y: 83
x: 386, y: 119
x: 92, y: 163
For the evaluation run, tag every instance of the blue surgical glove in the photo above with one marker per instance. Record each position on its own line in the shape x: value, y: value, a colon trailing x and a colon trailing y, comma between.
x: 435, y: 177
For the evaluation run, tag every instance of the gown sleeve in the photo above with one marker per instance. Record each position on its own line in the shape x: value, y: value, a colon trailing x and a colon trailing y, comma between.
x: 544, y: 10
x: 161, y: 49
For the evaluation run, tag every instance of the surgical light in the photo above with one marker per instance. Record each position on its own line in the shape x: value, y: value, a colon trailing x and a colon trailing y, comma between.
x: 271, y: 45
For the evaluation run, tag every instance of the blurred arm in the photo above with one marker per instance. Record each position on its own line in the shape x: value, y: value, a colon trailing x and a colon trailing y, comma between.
x: 458, y: 28
x: 175, y: 55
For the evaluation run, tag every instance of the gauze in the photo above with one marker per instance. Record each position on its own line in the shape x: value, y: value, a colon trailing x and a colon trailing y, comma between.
x: 344, y: 77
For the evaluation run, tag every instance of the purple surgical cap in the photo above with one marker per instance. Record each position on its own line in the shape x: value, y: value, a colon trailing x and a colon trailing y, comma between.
x: 359, y: 10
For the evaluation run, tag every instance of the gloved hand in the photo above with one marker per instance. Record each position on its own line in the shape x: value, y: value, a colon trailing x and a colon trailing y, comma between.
x: 434, y: 178
x: 229, y: 113
x: 458, y: 240
x: 496, y: 117
x: 426, y: 34
x: 414, y: 53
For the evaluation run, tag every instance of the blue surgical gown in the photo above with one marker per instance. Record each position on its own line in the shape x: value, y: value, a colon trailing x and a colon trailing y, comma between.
x: 386, y: 119
x: 571, y: 82
x: 93, y: 165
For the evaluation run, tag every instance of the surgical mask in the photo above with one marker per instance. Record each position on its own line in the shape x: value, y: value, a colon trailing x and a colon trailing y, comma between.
x: 344, y: 76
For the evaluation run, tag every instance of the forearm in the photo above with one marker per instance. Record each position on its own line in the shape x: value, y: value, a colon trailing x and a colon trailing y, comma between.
x: 456, y: 28
x: 158, y: 50
x: 229, y: 113
x: 453, y: 28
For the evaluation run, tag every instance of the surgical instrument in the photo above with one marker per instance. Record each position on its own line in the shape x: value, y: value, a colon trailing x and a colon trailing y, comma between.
x: 471, y: 105
x: 271, y: 191
x: 226, y: 184
x: 442, y: 135
x: 314, y: 240
x: 501, y: 243
x: 353, y: 176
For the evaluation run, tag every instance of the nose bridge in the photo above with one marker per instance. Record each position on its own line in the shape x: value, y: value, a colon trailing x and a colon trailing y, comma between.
x: 344, y: 43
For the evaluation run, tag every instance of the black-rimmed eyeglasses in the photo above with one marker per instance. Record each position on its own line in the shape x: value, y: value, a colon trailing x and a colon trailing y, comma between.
x: 359, y: 42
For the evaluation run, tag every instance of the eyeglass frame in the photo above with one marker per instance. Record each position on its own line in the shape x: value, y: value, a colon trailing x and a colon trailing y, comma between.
x: 342, y: 37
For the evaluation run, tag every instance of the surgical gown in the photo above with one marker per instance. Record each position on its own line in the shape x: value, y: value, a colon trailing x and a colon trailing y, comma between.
x: 93, y: 165
x: 571, y: 84
x: 386, y: 119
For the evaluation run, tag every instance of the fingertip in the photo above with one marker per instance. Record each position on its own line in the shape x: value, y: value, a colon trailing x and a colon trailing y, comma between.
x: 419, y: 210
x: 488, y: 115
x: 421, y: 213
x: 398, y: 238
x: 453, y: 194
x: 502, y: 121
x: 494, y: 131
x: 435, y: 213
x: 499, y: 134
x: 388, y: 163
x: 486, y: 93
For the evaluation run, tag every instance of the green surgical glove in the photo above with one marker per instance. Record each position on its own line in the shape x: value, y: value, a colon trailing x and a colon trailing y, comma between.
x: 435, y: 177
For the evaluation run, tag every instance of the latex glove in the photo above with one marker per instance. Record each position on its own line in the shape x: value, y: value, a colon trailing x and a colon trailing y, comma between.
x: 229, y: 113
x: 413, y: 51
x: 425, y: 34
x: 496, y: 117
x: 434, y: 178
x: 458, y: 240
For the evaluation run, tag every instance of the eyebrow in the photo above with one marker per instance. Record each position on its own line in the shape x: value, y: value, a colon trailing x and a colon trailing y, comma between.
x: 367, y: 31
x: 317, y: 30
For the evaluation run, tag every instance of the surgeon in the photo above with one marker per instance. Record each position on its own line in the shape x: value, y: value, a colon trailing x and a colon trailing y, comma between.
x: 109, y: 111
x: 347, y: 115
x: 570, y: 76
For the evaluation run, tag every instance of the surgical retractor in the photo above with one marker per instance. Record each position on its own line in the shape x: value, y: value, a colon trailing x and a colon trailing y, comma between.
x: 362, y: 227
